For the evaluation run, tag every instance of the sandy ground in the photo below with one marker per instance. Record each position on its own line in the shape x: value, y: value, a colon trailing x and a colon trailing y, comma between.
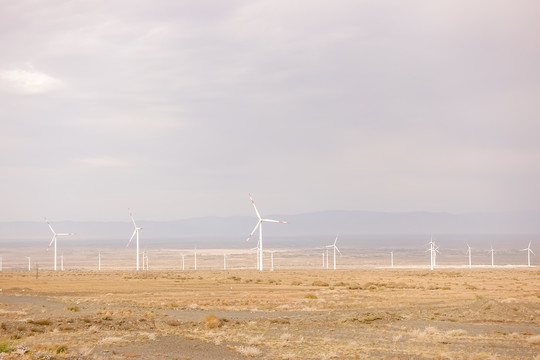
x: 304, y: 314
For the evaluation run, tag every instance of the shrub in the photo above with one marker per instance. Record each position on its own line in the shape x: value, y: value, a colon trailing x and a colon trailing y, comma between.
x: 319, y: 283
x: 212, y: 321
x: 311, y: 296
x: 39, y: 322
x: 73, y: 308
x: 5, y: 347
x: 61, y: 349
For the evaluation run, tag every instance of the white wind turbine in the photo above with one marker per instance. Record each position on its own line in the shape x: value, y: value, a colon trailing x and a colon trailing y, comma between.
x: 392, y: 259
x: 195, y: 255
x: 135, y: 232
x: 257, y: 248
x: 55, y: 235
x: 327, y: 258
x: 432, y: 252
x: 259, y: 225
x: 99, y: 261
x: 183, y: 261
x: 333, y: 246
x: 469, y: 252
x: 323, y: 259
x: 529, y: 251
x: 224, y: 261
x: 492, y: 256
x: 29, y: 267
x: 272, y: 260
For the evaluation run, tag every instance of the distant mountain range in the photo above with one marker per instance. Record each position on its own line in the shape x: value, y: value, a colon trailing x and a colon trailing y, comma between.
x: 354, y: 227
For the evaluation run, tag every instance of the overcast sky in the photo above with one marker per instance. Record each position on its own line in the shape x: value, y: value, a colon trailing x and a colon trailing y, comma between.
x: 179, y: 109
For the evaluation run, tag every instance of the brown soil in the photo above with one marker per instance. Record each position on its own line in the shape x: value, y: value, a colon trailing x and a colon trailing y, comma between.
x: 315, y: 314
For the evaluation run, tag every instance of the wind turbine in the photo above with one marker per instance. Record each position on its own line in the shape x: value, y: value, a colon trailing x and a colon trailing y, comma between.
x: 335, y: 248
x: 327, y: 257
x: 435, y: 254
x: 183, y: 262
x: 259, y: 225
x: 224, y: 261
x: 492, y: 256
x: 29, y: 268
x: 195, y: 254
x: 323, y: 259
x: 55, y: 235
x: 99, y: 261
x: 272, y: 260
x: 143, y: 259
x: 392, y: 259
x: 529, y: 251
x: 257, y: 248
x: 432, y: 251
x: 135, y: 232
x: 470, y: 256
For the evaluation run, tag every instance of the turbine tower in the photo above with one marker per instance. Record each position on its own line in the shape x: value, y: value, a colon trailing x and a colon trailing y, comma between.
x: 470, y: 256
x: 492, y: 256
x: 224, y: 261
x: 183, y: 261
x: 29, y: 267
x: 392, y: 259
x: 432, y: 251
x: 327, y: 257
x: 529, y: 251
x: 55, y: 235
x: 272, y: 260
x: 333, y: 246
x: 135, y: 232
x: 259, y: 225
x: 99, y: 261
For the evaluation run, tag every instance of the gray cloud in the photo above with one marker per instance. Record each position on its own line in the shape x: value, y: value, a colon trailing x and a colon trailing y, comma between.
x: 180, y: 109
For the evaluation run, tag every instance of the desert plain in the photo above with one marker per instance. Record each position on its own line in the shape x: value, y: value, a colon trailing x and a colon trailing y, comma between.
x: 376, y: 313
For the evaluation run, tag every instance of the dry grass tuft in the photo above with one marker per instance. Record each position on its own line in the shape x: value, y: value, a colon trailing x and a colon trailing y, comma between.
x: 249, y: 351
x: 319, y: 283
x: 212, y: 321
x: 456, y: 333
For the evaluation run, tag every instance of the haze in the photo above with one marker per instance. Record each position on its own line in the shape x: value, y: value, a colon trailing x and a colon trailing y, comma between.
x: 179, y: 109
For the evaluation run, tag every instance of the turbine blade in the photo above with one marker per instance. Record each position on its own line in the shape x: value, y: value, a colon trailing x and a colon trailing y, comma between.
x: 254, y: 229
x: 50, y: 227
x: 532, y: 252
x: 335, y: 241
x: 338, y: 251
x: 48, y: 247
x: 132, y: 219
x: 274, y: 221
x: 256, y: 211
x: 131, y: 238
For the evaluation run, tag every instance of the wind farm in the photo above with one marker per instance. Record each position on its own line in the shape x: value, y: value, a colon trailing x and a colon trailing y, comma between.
x: 267, y: 309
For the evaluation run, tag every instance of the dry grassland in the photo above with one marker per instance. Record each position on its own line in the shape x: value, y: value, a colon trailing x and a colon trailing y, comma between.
x: 305, y: 314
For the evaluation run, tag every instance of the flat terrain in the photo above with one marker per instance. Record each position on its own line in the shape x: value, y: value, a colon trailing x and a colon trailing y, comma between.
x: 287, y: 314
